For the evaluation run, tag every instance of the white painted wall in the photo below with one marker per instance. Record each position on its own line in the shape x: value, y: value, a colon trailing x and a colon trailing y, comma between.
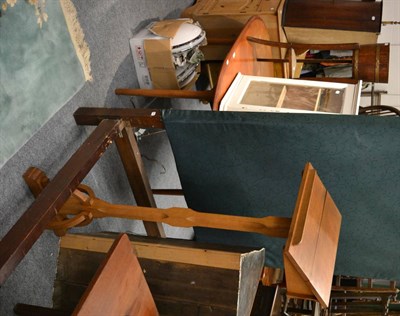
x: 390, y: 34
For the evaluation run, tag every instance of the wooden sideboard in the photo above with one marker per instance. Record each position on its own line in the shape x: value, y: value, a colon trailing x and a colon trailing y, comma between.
x: 332, y: 21
x: 226, y: 18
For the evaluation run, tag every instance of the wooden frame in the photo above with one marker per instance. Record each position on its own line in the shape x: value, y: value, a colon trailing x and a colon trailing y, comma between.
x: 185, y: 277
x: 21, y: 237
x: 116, y: 125
x: 310, y: 251
x: 251, y: 94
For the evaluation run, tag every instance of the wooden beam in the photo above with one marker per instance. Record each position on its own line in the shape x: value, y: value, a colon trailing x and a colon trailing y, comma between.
x: 17, y: 242
x: 181, y: 252
x: 140, y: 118
x: 176, y: 216
x: 84, y: 201
x: 134, y: 168
x: 205, y: 95
x: 129, y: 151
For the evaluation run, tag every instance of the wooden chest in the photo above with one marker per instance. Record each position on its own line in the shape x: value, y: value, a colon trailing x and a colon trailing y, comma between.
x: 226, y: 18
x: 185, y: 277
x: 322, y: 21
x: 374, y: 63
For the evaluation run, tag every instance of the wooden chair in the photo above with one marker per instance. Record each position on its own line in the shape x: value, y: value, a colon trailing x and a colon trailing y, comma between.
x: 379, y: 110
x: 369, y: 63
x: 118, y: 288
x: 361, y: 296
x: 242, y: 57
x: 295, y: 49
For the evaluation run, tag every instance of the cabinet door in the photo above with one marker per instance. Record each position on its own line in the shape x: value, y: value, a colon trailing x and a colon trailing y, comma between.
x: 269, y: 94
x: 334, y: 14
x: 286, y: 97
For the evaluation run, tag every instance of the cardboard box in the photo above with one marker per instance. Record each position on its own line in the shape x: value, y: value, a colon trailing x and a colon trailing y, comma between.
x: 152, y: 54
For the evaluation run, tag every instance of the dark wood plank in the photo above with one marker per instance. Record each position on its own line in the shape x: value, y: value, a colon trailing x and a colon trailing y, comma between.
x: 33, y: 310
x: 75, y: 270
x: 78, y: 266
x: 206, y: 95
x: 187, y: 284
x: 171, y: 308
x: 67, y: 294
x: 141, y: 118
x: 190, y: 288
x: 183, y: 284
x: 266, y: 299
x: 374, y: 62
x: 184, y: 293
x: 193, y: 275
x: 337, y: 15
x: 17, y: 242
x: 134, y: 168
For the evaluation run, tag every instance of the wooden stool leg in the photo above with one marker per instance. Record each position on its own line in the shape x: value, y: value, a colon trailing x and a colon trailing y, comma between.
x: 207, y: 95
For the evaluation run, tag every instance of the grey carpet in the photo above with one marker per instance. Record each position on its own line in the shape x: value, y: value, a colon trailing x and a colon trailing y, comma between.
x: 108, y: 25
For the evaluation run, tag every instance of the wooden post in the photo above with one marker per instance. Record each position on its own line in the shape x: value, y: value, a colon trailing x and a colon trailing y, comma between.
x: 130, y: 155
x: 84, y: 201
x: 17, y: 242
x: 129, y: 151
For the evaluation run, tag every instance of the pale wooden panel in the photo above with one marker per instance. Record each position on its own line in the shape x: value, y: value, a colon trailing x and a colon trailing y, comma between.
x: 227, y: 18
x: 296, y: 286
x: 310, y: 251
x: 307, y: 219
x: 119, y: 286
x: 177, y: 288
x: 321, y: 36
x: 325, y: 252
x: 197, y: 256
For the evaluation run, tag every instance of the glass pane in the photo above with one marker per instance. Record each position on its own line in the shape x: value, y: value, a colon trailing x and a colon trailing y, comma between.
x: 301, y: 98
x: 263, y: 93
x: 331, y: 100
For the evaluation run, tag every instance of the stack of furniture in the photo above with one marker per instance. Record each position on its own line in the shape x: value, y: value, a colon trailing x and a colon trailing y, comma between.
x: 362, y: 296
x: 304, y: 278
